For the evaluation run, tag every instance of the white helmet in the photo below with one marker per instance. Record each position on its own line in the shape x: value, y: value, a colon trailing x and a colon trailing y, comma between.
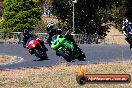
x: 125, y: 22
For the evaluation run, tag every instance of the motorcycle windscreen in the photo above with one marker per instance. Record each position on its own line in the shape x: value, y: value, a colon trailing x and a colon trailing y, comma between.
x: 30, y: 39
x: 30, y: 42
x: 55, y: 44
x: 54, y: 37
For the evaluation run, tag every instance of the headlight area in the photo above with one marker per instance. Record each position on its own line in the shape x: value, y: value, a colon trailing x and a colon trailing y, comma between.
x: 33, y: 45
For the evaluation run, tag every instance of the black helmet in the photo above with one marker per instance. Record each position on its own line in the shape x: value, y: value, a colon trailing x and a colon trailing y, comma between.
x: 26, y: 31
x: 50, y: 26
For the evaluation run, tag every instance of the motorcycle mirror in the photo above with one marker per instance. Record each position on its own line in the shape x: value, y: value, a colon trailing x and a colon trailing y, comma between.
x: 67, y: 32
x: 46, y: 37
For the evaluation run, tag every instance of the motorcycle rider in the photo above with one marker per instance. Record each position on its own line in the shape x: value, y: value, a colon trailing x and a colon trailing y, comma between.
x: 51, y: 30
x: 126, y: 29
x: 27, y: 35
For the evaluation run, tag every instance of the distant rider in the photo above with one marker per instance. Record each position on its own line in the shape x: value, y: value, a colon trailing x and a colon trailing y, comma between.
x: 126, y: 29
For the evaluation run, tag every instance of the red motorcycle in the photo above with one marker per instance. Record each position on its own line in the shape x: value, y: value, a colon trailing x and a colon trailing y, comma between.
x: 34, y: 47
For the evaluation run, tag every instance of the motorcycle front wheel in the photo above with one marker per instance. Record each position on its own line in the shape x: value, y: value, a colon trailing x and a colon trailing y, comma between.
x: 62, y: 53
x: 40, y: 54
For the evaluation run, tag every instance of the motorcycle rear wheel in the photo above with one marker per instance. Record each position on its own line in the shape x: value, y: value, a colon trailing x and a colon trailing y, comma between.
x: 81, y: 55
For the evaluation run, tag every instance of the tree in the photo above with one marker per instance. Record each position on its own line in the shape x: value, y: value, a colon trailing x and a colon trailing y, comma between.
x: 88, y: 14
x: 129, y: 9
x: 20, y: 14
x: 1, y: 8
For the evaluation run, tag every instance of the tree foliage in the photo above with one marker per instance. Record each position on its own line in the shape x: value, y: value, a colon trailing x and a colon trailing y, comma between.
x: 88, y: 13
x: 19, y: 14
x: 1, y: 7
x: 128, y: 4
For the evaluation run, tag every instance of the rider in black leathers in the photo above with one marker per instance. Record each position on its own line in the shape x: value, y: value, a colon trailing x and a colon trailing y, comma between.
x: 27, y: 35
x: 126, y: 28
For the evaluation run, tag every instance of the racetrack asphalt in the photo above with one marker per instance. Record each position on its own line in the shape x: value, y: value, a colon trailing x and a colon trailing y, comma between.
x: 94, y: 53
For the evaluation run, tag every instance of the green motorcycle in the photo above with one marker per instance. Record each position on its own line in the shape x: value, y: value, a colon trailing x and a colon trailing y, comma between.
x: 66, y: 49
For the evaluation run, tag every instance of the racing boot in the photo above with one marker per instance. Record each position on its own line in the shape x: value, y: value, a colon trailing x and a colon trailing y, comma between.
x: 43, y: 46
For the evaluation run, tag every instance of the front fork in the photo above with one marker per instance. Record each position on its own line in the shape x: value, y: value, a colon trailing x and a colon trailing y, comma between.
x: 31, y: 51
x: 66, y: 51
